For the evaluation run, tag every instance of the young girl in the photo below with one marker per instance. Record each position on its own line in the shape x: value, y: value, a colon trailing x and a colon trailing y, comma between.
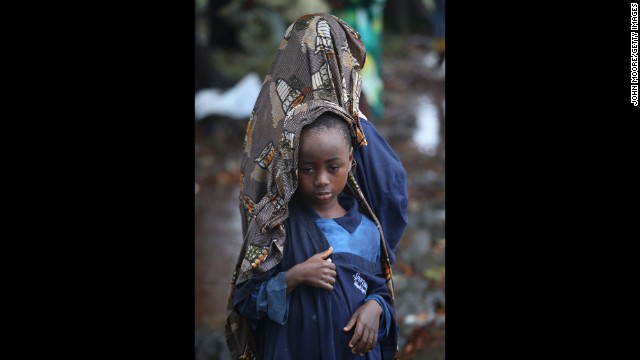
x: 313, y: 279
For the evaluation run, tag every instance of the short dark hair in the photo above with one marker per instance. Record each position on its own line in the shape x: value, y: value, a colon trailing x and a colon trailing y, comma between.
x: 328, y: 120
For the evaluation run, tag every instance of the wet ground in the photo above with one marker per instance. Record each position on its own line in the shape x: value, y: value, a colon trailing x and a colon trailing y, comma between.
x: 413, y: 124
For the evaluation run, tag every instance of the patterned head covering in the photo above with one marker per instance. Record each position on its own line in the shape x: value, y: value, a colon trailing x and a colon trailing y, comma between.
x: 315, y: 70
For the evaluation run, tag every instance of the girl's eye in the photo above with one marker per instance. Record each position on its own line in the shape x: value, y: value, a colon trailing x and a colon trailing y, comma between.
x: 334, y: 168
x: 307, y: 170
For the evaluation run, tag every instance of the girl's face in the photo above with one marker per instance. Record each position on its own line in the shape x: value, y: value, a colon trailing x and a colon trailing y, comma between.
x: 324, y: 160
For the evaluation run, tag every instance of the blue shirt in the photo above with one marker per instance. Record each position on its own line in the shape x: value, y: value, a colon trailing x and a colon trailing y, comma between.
x: 363, y: 239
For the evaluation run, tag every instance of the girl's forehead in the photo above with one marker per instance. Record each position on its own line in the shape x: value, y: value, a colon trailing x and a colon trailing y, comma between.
x: 329, y: 136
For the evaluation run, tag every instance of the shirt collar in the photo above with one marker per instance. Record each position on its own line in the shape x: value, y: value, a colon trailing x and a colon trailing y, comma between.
x: 352, y: 219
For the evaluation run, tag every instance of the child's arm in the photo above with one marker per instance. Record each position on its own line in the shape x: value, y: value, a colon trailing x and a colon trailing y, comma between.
x: 383, y: 181
x: 365, y: 320
x: 266, y: 295
x: 263, y: 296
x: 374, y: 319
x: 315, y: 271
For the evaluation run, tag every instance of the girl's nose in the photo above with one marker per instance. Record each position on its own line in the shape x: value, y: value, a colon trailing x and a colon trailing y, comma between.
x: 322, y: 179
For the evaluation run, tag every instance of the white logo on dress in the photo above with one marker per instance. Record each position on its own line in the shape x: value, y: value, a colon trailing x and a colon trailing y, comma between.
x: 359, y: 283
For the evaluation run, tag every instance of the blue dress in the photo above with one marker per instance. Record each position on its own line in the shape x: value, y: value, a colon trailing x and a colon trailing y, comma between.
x: 314, y: 319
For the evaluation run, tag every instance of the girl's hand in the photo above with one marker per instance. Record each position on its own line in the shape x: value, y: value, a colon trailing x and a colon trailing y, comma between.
x: 366, y: 321
x: 315, y: 271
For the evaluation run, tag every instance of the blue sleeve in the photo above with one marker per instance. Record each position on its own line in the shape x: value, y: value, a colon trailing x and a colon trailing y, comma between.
x: 385, y: 319
x: 383, y: 181
x: 267, y: 299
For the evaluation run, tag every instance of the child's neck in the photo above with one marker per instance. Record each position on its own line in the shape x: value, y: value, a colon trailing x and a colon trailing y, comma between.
x: 333, y: 211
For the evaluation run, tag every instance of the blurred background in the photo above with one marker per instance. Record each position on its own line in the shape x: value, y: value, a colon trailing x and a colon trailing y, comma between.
x: 404, y: 97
